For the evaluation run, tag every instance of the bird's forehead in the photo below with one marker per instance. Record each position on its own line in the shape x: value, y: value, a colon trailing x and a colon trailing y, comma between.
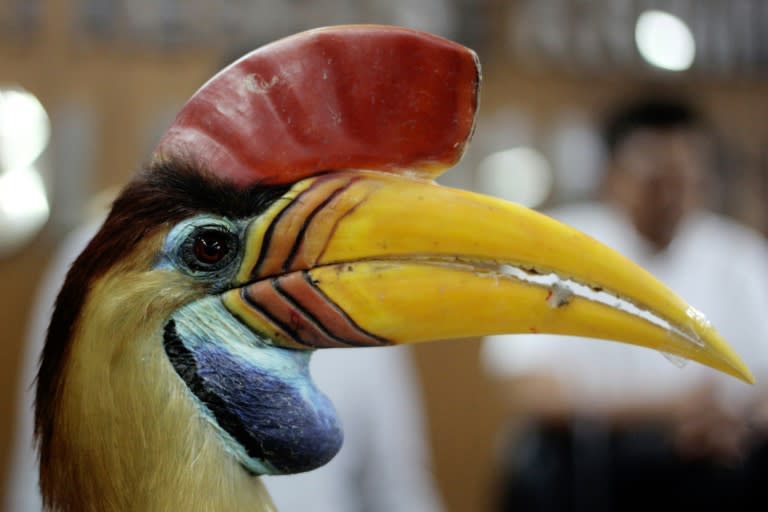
x: 364, y: 97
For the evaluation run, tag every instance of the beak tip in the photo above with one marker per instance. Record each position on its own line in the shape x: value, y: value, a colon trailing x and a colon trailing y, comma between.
x: 735, y: 367
x: 747, y: 376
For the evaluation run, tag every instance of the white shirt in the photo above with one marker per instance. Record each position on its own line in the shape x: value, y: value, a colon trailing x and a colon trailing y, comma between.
x: 716, y: 265
x: 382, y: 466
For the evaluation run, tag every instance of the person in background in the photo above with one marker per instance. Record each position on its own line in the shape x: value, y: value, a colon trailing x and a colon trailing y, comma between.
x: 375, y: 392
x: 658, y: 436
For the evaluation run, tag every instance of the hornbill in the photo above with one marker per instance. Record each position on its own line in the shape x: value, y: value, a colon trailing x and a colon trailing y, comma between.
x: 290, y: 207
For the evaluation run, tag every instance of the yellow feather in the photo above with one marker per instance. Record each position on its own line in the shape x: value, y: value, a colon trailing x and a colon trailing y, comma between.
x: 128, y: 434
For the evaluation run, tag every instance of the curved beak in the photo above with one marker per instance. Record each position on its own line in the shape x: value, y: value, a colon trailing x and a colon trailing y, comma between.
x: 358, y: 258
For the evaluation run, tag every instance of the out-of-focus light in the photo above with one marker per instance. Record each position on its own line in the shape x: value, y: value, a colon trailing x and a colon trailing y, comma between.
x: 24, y: 128
x: 23, y: 207
x: 24, y: 133
x: 577, y: 155
x: 665, y: 41
x: 521, y: 175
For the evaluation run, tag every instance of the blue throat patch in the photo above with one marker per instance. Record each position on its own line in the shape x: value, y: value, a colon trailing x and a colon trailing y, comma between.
x: 259, y: 397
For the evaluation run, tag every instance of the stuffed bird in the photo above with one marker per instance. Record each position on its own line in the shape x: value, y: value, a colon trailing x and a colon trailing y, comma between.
x: 290, y: 207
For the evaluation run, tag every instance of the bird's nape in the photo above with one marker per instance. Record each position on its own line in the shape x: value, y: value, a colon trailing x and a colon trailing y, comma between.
x: 176, y: 363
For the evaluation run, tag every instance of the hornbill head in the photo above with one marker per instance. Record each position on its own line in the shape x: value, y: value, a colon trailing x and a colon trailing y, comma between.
x: 291, y: 207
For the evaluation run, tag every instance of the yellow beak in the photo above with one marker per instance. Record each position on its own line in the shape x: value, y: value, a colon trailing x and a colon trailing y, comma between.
x: 357, y: 258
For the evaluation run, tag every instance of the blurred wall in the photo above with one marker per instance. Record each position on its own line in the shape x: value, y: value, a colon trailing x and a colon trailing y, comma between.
x: 128, y: 87
x: 121, y: 89
x: 466, y: 411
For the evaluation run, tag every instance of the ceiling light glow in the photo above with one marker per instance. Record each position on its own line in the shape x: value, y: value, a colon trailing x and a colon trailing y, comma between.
x: 24, y: 207
x: 521, y: 175
x: 665, y: 41
x: 24, y: 128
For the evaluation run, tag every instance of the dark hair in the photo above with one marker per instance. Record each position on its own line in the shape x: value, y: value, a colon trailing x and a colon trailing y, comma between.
x: 654, y: 114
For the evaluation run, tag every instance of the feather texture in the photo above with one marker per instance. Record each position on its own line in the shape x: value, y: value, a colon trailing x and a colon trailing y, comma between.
x: 116, y: 427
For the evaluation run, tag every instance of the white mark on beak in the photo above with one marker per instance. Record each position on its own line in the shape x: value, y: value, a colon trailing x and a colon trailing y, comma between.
x: 563, y: 290
x: 559, y: 295
x: 698, y: 317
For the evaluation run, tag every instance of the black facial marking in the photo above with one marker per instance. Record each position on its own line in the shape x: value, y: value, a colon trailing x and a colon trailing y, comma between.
x: 269, y: 416
x: 162, y: 194
x: 184, y: 363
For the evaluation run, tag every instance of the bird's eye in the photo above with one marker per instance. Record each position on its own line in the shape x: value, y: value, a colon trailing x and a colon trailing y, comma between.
x: 209, y: 248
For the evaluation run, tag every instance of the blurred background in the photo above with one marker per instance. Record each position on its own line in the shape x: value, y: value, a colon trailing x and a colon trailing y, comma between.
x: 88, y: 86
